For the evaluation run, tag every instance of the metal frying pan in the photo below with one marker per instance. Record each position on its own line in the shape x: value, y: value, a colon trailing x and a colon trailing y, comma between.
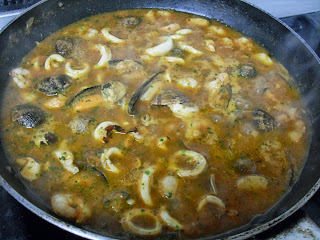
x: 286, y: 46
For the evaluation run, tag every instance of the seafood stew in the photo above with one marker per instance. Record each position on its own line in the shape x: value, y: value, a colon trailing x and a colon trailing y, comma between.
x: 153, y: 122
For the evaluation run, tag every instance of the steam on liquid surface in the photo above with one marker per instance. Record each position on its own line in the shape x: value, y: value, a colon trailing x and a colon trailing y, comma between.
x: 153, y: 123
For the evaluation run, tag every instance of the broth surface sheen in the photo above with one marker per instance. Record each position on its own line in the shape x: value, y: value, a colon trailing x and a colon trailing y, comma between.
x: 154, y: 123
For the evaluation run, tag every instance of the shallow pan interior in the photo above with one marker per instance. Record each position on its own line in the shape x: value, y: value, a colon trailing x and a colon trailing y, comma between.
x: 282, y: 43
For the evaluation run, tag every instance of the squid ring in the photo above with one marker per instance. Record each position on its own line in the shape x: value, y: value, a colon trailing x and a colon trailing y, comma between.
x: 105, y: 56
x: 76, y: 73
x: 145, y: 185
x: 110, y: 37
x: 52, y: 60
x: 105, y: 159
x: 128, y: 224
x: 161, y: 49
x: 200, y: 161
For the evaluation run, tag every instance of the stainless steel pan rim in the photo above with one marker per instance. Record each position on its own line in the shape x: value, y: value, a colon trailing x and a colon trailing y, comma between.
x: 48, y: 217
x: 90, y: 235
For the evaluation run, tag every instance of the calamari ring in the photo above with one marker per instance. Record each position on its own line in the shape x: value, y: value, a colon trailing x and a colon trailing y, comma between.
x: 105, y: 159
x: 145, y: 185
x: 76, y: 73
x: 109, y: 37
x: 170, y: 221
x: 52, y: 60
x: 129, y: 225
x: 200, y: 161
x: 105, y: 56
x: 161, y: 49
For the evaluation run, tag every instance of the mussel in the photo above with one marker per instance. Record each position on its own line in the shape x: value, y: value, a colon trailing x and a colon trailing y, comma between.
x: 54, y: 84
x: 125, y: 66
x: 222, y: 98
x: 98, y: 172
x: 113, y: 91
x: 245, y: 166
x: 28, y: 116
x: 64, y: 46
x: 247, y: 71
x: 80, y: 125
x: 44, y: 137
x: 170, y: 97
x: 90, y: 161
x: 85, y: 92
x: 136, y: 96
x: 50, y: 137
x: 177, y: 52
x: 263, y: 120
x: 131, y: 21
x: 225, y: 95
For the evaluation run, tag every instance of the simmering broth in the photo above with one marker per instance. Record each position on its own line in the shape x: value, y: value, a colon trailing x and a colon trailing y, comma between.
x: 154, y: 123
